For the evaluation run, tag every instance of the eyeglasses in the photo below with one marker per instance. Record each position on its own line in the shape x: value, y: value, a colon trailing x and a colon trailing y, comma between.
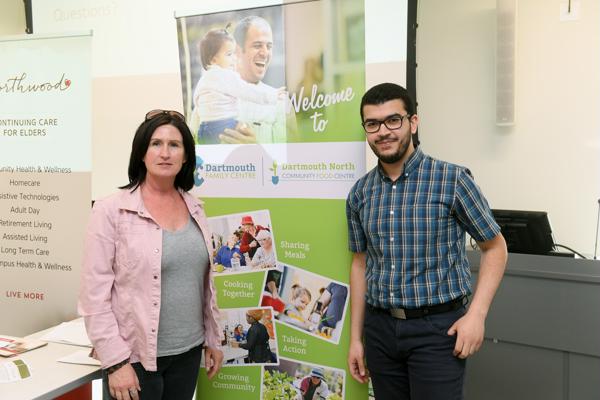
x: 156, y: 113
x: 392, y: 122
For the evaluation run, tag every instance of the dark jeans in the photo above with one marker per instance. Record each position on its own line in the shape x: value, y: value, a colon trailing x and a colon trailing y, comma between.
x: 209, y: 131
x: 412, y: 359
x: 175, y: 377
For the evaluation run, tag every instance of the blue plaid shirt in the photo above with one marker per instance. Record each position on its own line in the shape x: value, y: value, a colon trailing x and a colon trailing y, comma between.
x: 413, y: 230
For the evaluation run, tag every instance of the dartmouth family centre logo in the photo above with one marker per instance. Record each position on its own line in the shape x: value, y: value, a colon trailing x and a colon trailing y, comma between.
x: 198, y: 180
x: 23, y: 84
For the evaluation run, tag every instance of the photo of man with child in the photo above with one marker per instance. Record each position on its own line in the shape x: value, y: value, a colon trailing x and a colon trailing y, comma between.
x: 233, y: 77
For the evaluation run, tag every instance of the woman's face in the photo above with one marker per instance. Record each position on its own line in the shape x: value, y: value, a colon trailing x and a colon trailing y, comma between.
x: 267, y: 243
x: 165, y: 154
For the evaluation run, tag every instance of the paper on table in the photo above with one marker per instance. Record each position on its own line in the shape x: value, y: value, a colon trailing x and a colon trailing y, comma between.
x: 14, y: 370
x: 79, y: 357
x: 72, y: 332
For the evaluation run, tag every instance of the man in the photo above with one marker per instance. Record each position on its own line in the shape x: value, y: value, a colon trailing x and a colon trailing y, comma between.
x: 261, y: 123
x: 407, y: 220
x: 228, y: 252
x: 313, y: 387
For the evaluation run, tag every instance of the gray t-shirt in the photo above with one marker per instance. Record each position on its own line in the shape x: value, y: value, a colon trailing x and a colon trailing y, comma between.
x: 184, y: 265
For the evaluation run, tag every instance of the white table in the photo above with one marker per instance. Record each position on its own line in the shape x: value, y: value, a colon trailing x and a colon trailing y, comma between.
x: 49, y: 378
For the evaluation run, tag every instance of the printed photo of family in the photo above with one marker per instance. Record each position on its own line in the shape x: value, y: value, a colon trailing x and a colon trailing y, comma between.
x: 232, y: 68
x: 301, y: 381
x: 243, y: 242
x: 306, y: 301
x: 248, y: 336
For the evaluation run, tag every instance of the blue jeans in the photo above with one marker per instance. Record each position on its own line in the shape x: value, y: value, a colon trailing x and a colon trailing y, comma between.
x: 175, y: 377
x: 412, y: 359
x: 209, y: 131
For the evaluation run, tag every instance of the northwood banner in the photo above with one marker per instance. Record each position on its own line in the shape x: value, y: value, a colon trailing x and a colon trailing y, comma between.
x: 45, y: 174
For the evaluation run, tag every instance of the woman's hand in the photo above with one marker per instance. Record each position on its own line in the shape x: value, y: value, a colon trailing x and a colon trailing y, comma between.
x: 123, y: 384
x: 213, y: 359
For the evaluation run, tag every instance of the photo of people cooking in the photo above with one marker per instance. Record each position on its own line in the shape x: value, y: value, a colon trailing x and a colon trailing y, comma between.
x: 306, y: 301
x: 248, y: 336
x: 243, y: 242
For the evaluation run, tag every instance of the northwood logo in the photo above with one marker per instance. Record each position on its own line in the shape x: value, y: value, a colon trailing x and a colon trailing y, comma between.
x: 23, y: 84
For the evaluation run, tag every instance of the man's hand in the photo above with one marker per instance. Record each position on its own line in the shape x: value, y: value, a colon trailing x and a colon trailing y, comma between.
x: 282, y: 93
x: 213, y: 359
x: 242, y: 134
x: 123, y: 384
x: 469, y: 332
x: 356, y: 362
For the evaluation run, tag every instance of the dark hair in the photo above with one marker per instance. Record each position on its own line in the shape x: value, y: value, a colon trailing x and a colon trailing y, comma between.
x: 211, y: 43
x: 137, y: 169
x: 384, y: 92
x: 241, y: 29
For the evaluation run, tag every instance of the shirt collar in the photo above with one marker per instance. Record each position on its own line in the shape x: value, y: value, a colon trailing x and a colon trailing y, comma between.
x: 409, y: 166
x: 131, y: 200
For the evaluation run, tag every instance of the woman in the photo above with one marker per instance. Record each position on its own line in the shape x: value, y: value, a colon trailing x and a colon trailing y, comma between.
x: 257, y: 339
x: 147, y: 295
x: 239, y: 334
x: 265, y: 255
x: 248, y: 243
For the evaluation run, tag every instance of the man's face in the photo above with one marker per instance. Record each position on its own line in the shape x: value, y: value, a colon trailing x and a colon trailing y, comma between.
x: 390, y: 146
x: 254, y: 56
x: 231, y: 241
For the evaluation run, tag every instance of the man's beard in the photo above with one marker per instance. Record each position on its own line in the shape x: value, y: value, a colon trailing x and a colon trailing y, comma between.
x: 394, y: 157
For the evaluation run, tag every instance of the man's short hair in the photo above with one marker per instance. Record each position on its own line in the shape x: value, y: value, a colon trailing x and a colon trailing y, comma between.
x: 385, y: 92
x: 241, y: 29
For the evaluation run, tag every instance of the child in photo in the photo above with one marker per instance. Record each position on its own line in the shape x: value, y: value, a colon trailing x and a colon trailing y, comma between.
x: 292, y: 314
x: 218, y: 90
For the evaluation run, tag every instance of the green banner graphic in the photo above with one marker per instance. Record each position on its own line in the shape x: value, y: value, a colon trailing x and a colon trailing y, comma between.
x: 272, y: 95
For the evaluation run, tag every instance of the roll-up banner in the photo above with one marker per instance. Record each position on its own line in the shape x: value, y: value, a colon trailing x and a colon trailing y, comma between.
x: 289, y: 77
x: 45, y: 171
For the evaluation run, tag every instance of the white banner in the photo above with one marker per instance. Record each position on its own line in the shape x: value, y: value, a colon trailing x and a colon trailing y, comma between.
x: 45, y: 171
x: 290, y: 170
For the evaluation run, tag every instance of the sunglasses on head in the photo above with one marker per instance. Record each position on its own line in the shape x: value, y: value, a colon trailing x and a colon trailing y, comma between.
x: 156, y: 113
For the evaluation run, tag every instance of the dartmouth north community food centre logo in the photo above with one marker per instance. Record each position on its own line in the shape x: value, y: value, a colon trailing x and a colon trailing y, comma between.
x: 275, y: 177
